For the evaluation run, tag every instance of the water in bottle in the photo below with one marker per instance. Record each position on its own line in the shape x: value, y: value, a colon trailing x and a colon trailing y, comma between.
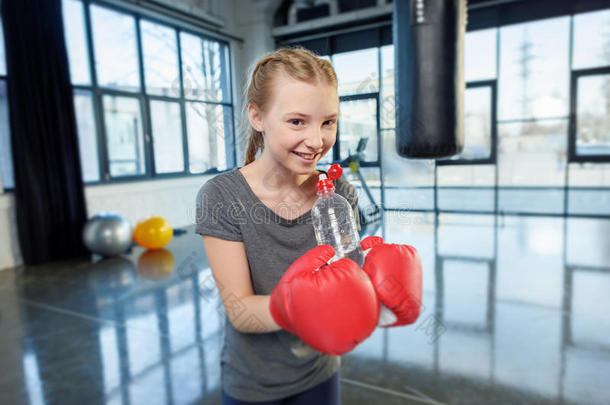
x: 334, y: 221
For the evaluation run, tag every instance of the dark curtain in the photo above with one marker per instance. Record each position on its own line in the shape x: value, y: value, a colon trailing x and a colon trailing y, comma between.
x: 49, y: 196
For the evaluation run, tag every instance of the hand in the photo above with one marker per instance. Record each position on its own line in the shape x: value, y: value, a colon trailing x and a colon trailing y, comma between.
x: 331, y: 307
x: 396, y: 273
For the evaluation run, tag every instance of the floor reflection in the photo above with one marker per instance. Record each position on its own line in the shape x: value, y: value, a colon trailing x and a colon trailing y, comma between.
x: 505, y: 299
x: 514, y: 311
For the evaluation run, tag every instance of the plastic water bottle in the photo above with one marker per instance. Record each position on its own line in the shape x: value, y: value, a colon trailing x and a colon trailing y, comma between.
x: 334, y: 221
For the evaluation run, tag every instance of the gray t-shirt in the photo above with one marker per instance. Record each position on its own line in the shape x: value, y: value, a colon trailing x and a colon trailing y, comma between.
x: 263, y: 366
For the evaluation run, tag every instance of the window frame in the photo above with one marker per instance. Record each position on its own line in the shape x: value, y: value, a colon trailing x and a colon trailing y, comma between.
x: 493, y: 156
x: 98, y: 92
x: 337, y: 149
x: 573, y: 156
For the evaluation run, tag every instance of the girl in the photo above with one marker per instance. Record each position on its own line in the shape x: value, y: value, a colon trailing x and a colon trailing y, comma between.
x: 256, y: 221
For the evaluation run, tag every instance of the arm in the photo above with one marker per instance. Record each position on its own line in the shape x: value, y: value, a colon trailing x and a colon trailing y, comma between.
x: 247, y: 312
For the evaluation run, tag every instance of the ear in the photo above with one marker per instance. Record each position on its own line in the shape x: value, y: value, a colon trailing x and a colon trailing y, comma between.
x: 255, y: 116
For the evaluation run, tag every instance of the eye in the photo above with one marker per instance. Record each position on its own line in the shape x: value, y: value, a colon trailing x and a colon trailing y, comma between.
x: 329, y: 122
x: 296, y: 121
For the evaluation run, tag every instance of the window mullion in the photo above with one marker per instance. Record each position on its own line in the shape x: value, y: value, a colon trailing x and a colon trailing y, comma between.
x: 144, y: 107
x: 185, y: 146
x: 97, y: 100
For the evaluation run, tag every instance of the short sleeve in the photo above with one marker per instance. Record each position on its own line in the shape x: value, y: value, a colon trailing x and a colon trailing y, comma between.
x: 216, y: 214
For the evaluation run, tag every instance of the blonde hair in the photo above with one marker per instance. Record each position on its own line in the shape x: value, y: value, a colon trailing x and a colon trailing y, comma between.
x: 298, y: 63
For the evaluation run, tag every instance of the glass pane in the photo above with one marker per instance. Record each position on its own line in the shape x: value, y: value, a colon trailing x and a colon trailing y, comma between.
x: 160, y: 59
x: 357, y: 71
x: 388, y: 100
x: 591, y: 40
x: 167, y: 136
x: 358, y: 119
x: 87, y: 139
x: 124, y: 139
x: 76, y: 41
x: 534, y: 70
x: 205, y: 68
x: 531, y: 166
x: 116, y: 56
x: 6, y: 156
x: 2, y: 54
x: 589, y: 191
x: 408, y: 183
x: 477, y: 124
x: 208, y: 128
x: 372, y: 179
x: 466, y: 187
x: 593, y: 115
x: 480, y: 55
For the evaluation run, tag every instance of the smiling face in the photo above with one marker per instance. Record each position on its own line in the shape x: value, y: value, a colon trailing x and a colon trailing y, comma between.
x: 301, y: 117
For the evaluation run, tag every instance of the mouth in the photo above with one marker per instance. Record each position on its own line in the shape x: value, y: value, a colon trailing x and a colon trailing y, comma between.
x: 308, y: 157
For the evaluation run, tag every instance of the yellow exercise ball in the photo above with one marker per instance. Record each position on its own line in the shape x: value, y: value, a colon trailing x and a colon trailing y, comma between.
x: 154, y: 233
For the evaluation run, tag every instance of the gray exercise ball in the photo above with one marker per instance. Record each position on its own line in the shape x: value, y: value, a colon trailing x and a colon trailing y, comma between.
x: 107, y: 234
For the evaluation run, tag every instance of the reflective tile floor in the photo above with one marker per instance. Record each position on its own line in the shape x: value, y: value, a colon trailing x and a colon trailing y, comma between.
x: 516, y: 311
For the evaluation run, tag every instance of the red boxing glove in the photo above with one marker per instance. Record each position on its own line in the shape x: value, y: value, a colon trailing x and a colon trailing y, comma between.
x: 331, y: 307
x: 396, y: 273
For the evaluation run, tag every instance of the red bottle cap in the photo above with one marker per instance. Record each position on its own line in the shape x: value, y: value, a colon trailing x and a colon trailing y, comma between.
x: 334, y: 172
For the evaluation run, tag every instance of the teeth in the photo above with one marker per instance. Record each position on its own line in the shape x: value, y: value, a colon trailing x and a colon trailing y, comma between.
x: 305, y: 156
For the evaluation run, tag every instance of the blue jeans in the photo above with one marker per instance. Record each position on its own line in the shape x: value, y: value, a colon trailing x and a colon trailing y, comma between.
x: 325, y: 393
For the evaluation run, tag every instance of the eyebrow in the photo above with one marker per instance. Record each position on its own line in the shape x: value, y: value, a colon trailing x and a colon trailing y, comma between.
x: 307, y: 116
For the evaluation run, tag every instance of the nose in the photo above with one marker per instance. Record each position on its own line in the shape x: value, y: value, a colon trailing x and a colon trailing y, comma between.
x: 314, y: 140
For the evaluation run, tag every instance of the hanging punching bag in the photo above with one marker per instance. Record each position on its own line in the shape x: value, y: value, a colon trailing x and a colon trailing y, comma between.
x: 429, y: 77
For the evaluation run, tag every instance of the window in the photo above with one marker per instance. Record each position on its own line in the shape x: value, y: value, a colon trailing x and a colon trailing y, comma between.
x: 208, y: 125
x: 124, y: 139
x: 593, y: 115
x: 2, y: 55
x: 531, y: 166
x: 537, y: 126
x: 479, y: 123
x: 591, y: 46
x: 590, y: 87
x: 357, y: 71
x: 87, y: 139
x: 204, y: 68
x: 6, y: 159
x: 160, y: 52
x: 76, y: 41
x: 169, y: 152
x: 387, y: 99
x: 533, y: 81
x: 357, y: 120
x: 116, y: 53
x: 150, y: 99
x: 208, y: 109
x: 480, y: 55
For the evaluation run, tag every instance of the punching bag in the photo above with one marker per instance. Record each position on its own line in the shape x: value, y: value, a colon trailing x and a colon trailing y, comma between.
x: 429, y: 77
